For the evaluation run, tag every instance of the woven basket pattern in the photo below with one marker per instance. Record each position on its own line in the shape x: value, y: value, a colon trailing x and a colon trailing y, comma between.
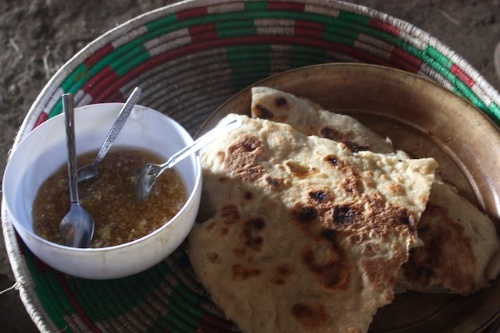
x: 189, y: 58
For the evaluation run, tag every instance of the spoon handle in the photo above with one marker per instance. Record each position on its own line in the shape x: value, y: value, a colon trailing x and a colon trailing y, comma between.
x: 118, y: 124
x: 69, y: 117
x: 201, y: 142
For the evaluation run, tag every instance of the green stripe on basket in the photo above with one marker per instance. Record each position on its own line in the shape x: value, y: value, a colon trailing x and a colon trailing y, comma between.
x: 181, y: 314
x: 495, y: 112
x: 361, y: 19
x: 468, y: 93
x: 345, y: 37
x: 43, y: 290
x: 313, y: 56
x: 442, y: 64
x: 255, y: 6
x: 57, y: 108
x: 168, y: 24
x: 121, y: 54
x: 246, y: 54
x: 190, y: 302
x: 120, y: 303
x: 344, y: 30
x: 81, y: 75
x: 175, y: 319
x: 108, y: 296
x: 122, y: 287
x: 438, y: 56
x: 161, y: 324
x: 235, y: 29
x: 124, y: 64
x: 117, y: 59
x: 90, y: 297
x: 161, y: 22
x: 79, y: 72
x: 391, y: 39
x: 84, y: 295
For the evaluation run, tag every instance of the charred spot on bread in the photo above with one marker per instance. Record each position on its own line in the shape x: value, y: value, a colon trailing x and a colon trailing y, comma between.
x: 280, y: 102
x: 346, y: 137
x: 312, y: 316
x: 344, y: 215
x: 229, y: 214
x: 260, y: 111
x: 239, y: 272
x: 242, y: 158
x: 251, y: 233
x: 247, y: 196
x: 426, y: 263
x: 304, y: 214
x: 320, y: 196
x: 274, y: 183
x: 329, y: 268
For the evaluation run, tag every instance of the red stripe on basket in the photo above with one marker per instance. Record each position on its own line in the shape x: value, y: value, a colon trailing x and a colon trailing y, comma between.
x: 290, y: 6
x: 40, y: 266
x: 111, y: 86
x: 98, y: 55
x: 76, y: 306
x: 42, y: 117
x: 405, y: 60
x: 117, y: 97
x: 100, y: 81
x: 384, y: 26
x: 308, y: 28
x: 202, y: 32
x: 23, y: 249
x: 191, y: 13
x: 462, y: 76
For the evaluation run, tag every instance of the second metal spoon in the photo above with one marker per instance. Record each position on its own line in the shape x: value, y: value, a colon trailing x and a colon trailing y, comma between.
x: 150, y: 172
x: 88, y: 172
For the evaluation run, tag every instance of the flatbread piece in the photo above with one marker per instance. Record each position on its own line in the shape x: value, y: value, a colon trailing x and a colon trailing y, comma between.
x: 303, y: 235
x: 461, y: 251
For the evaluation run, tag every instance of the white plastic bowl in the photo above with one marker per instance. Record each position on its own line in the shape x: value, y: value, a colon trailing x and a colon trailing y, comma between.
x: 44, y: 150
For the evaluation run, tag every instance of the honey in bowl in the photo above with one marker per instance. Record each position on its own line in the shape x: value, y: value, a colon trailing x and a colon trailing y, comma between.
x: 119, y: 216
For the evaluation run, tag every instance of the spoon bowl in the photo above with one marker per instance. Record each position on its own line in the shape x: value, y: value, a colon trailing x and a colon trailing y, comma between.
x: 151, y: 171
x: 89, y: 172
x: 77, y: 226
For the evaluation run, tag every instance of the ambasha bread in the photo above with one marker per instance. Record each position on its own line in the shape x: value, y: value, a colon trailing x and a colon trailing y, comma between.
x: 304, y: 234
x: 461, y: 253
x: 310, y: 119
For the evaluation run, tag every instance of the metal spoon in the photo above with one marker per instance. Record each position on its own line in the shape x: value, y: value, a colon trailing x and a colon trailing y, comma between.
x: 150, y: 171
x: 77, y: 227
x: 88, y: 172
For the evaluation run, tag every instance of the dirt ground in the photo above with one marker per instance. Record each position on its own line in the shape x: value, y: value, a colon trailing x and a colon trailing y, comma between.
x: 39, y: 36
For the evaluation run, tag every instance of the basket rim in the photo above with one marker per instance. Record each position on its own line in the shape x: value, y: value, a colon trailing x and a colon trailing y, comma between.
x: 17, y: 262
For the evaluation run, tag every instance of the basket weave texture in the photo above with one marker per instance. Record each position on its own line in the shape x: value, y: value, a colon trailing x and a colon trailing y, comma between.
x: 189, y: 58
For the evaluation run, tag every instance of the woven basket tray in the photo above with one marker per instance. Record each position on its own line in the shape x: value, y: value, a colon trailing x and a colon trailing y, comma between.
x: 189, y: 58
